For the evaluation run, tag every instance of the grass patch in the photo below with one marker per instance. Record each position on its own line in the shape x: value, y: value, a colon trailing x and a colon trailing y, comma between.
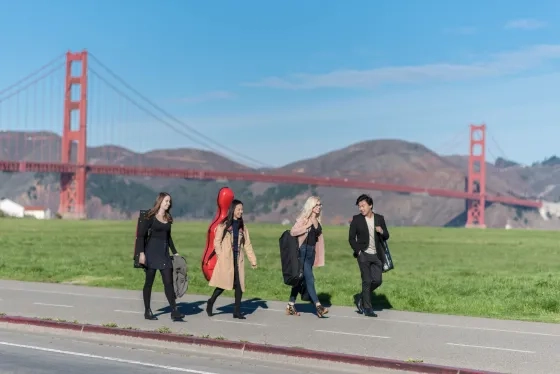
x: 494, y: 273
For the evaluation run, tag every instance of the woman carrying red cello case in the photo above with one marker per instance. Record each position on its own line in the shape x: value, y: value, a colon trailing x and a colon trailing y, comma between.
x: 231, y: 241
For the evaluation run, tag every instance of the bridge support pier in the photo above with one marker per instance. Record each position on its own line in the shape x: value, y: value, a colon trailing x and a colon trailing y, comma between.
x: 73, y: 184
x: 476, y: 179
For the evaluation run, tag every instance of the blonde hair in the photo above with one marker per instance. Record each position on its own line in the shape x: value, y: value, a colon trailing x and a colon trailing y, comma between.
x: 307, y: 209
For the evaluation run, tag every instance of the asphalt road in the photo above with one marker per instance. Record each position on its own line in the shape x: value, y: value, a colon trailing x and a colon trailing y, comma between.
x: 486, y: 344
x: 32, y: 352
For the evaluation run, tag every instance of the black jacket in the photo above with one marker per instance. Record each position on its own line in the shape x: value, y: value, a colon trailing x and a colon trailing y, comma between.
x: 358, y: 235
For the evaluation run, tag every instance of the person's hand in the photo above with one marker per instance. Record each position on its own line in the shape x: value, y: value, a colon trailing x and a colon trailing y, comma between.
x: 176, y: 254
x: 379, y: 229
x: 142, y: 258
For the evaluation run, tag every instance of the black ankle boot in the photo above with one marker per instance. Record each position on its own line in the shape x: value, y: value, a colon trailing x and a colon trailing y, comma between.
x: 175, y: 314
x: 237, y: 313
x: 209, y: 307
x: 149, y: 315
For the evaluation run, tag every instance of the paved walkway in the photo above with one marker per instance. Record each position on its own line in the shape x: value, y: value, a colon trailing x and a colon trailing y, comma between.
x: 486, y: 344
x: 29, y: 351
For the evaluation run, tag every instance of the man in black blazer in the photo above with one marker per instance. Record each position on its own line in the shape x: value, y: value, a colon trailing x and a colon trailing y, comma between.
x: 366, y: 233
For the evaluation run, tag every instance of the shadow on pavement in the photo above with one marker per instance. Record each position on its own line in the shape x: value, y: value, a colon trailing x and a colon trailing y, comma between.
x: 378, y: 301
x: 188, y: 309
x: 247, y: 306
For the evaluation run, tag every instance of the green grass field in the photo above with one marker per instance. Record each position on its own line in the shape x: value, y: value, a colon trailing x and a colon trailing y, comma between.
x: 494, y: 273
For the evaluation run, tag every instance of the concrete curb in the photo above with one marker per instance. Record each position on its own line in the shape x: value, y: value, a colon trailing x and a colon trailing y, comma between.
x: 246, y: 346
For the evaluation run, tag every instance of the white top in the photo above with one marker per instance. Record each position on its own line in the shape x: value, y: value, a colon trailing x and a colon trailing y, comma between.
x: 371, y: 228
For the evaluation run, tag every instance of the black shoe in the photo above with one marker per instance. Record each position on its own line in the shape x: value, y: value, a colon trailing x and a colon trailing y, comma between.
x: 175, y: 314
x: 209, y: 306
x: 359, y: 305
x: 239, y: 316
x: 369, y: 313
x: 149, y: 315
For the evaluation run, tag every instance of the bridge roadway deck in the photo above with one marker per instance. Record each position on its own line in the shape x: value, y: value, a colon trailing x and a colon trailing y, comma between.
x: 478, y: 343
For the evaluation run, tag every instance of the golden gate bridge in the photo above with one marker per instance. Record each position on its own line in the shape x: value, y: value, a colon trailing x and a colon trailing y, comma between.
x: 71, y: 159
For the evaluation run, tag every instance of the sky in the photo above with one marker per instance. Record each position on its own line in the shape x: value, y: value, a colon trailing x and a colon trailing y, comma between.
x: 282, y: 81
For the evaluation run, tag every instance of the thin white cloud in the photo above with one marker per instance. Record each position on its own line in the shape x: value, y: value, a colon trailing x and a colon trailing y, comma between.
x: 499, y: 64
x: 208, y: 96
x: 525, y: 24
x: 507, y: 106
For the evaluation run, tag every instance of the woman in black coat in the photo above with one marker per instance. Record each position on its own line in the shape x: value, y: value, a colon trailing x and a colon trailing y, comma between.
x: 154, y: 255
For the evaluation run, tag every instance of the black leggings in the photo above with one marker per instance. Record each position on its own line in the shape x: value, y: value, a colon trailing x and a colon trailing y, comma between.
x: 236, y: 286
x: 167, y: 277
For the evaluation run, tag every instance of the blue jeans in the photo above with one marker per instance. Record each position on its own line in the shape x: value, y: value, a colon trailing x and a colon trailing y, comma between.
x: 307, y: 256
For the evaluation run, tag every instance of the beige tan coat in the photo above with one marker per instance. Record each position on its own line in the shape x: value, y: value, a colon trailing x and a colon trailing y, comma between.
x: 222, y: 276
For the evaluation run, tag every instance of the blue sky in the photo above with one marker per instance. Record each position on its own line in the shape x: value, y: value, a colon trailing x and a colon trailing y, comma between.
x: 281, y: 81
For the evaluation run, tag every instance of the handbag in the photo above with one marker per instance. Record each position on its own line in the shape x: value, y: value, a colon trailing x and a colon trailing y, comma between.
x: 388, y: 265
x: 137, y: 264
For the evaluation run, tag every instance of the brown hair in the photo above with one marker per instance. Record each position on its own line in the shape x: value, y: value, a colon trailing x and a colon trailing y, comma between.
x: 152, y: 212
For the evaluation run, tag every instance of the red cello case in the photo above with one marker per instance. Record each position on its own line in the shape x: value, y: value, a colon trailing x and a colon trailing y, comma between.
x: 224, y: 199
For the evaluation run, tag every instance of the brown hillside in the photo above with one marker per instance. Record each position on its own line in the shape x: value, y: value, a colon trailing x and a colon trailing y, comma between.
x: 400, y: 162
x: 384, y: 161
x: 371, y: 157
x: 46, y: 146
x: 387, y: 161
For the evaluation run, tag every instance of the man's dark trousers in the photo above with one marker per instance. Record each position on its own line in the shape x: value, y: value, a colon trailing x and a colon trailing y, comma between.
x: 371, y: 270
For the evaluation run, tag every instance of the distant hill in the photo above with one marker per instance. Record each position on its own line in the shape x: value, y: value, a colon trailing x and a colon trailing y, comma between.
x: 385, y: 161
x: 502, y: 163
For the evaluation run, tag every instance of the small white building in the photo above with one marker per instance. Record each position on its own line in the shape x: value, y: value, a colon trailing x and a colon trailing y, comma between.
x: 11, y: 208
x: 39, y: 212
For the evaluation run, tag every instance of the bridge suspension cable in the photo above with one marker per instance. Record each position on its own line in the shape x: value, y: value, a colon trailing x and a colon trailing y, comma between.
x: 173, y: 118
x: 34, y: 73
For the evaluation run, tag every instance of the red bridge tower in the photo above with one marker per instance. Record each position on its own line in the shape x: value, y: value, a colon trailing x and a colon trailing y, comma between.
x: 73, y: 184
x: 476, y: 179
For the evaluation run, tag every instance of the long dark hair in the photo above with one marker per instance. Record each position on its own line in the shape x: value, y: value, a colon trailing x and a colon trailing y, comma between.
x: 228, y: 220
x: 152, y: 212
